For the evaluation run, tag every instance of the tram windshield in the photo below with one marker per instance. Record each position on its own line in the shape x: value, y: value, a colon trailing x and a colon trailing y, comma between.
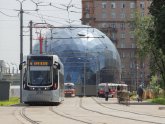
x: 67, y: 87
x: 40, y: 77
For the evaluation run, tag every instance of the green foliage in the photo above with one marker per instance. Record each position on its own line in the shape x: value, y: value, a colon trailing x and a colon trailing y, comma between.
x: 148, y: 39
x: 12, y: 101
x: 157, y: 10
x: 143, y: 42
x: 155, y: 85
x: 158, y: 101
x: 157, y: 34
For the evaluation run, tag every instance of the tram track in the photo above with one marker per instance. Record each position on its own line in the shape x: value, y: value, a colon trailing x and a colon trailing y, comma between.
x: 14, y: 113
x: 121, y: 117
x: 138, y: 113
x: 23, y: 115
x: 85, y: 110
x: 68, y: 117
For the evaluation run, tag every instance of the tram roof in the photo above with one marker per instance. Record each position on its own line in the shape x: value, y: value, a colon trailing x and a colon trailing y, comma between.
x: 69, y: 83
x: 112, y: 84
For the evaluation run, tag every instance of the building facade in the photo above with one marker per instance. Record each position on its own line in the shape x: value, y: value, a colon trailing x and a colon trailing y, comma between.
x: 114, y: 18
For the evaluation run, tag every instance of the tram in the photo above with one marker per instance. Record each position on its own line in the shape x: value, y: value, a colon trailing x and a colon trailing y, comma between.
x: 69, y: 89
x: 43, y: 79
x: 112, y: 87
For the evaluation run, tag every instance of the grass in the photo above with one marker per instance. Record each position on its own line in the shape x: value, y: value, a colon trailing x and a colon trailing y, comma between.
x: 11, y: 101
x: 158, y: 101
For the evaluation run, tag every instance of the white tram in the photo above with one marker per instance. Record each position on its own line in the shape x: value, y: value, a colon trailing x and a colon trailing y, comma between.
x: 43, y: 79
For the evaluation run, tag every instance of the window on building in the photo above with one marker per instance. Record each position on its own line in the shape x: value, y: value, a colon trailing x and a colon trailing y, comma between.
x: 122, y: 26
x: 122, y: 35
x: 113, y: 5
x: 132, y: 35
x: 132, y: 15
x: 87, y: 8
x: 132, y: 5
x: 132, y: 25
x: 122, y: 43
x: 113, y: 15
x: 104, y: 14
x: 113, y: 35
x: 122, y: 5
x: 113, y: 25
x: 133, y: 45
x: 87, y: 15
x: 104, y: 4
x: 132, y: 55
x: 122, y: 15
x: 142, y: 5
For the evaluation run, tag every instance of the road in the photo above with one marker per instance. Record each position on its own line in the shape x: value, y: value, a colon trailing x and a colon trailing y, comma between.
x: 85, y: 110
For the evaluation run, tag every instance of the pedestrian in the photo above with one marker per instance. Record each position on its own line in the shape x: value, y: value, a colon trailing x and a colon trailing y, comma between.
x: 118, y: 91
x: 140, y: 93
x: 118, y: 88
x: 106, y: 91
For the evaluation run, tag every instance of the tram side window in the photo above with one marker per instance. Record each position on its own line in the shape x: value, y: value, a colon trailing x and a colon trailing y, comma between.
x: 25, y: 79
x: 55, y: 77
x: 25, y: 76
x: 61, y: 80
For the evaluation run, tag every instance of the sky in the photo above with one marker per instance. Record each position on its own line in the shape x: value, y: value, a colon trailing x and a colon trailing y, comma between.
x: 53, y: 12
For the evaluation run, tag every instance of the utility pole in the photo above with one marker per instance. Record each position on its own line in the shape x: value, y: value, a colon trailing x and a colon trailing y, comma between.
x: 31, y: 23
x: 21, y: 45
x: 21, y: 48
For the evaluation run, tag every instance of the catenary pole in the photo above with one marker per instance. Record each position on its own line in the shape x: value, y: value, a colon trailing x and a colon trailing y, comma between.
x: 21, y: 49
x: 21, y: 45
x: 31, y: 37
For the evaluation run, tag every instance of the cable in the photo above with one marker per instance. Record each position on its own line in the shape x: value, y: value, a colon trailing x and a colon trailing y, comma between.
x: 7, y: 14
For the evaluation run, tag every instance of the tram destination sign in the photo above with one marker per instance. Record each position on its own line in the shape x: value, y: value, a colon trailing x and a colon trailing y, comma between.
x: 39, y: 63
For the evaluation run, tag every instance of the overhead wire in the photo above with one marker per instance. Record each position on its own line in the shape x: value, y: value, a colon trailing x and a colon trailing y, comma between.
x: 7, y: 14
x: 32, y: 14
x: 44, y: 17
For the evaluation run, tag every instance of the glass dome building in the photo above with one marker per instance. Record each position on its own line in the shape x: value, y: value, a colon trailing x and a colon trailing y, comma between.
x: 88, y: 55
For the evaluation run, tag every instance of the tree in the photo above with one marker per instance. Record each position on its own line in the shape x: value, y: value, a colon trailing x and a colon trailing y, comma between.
x: 157, y: 35
x: 157, y: 10
x: 141, y: 35
x: 147, y: 44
